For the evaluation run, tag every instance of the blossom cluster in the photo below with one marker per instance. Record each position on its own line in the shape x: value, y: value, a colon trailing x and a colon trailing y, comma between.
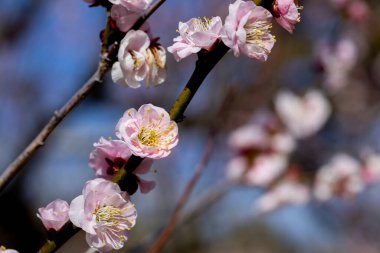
x: 345, y: 176
x: 263, y: 146
x: 247, y: 30
x: 103, y: 210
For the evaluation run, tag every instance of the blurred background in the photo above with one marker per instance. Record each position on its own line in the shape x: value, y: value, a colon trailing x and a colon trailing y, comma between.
x: 48, y: 49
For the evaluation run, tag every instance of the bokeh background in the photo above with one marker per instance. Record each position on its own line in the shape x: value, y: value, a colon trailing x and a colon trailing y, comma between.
x: 49, y: 48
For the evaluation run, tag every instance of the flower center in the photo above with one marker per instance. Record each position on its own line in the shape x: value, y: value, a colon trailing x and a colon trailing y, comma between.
x: 154, y: 53
x: 148, y: 136
x: 111, y: 216
x: 111, y: 221
x: 137, y: 60
x: 202, y: 25
x: 257, y: 33
x: 107, y: 214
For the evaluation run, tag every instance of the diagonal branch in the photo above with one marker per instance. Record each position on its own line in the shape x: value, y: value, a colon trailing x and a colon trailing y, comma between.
x: 105, y: 64
x: 168, y: 230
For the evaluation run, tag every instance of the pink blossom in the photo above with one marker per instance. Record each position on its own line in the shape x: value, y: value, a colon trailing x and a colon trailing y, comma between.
x: 249, y: 136
x: 194, y: 35
x: 148, y: 132
x: 358, y: 10
x: 54, y: 215
x: 265, y: 169
x: 340, y: 177
x: 236, y: 168
x: 286, y: 14
x: 4, y: 250
x: 124, y: 18
x: 132, y: 66
x: 287, y: 192
x: 139, y: 61
x: 371, y: 168
x: 260, y: 136
x: 133, y: 5
x: 247, y: 30
x: 262, y: 148
x: 303, y: 116
x: 337, y: 62
x: 262, y: 171
x: 109, y: 156
x: 105, y: 213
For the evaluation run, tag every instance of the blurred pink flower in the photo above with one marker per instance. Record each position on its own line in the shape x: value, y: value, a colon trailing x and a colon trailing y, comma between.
x: 194, y: 35
x: 287, y: 192
x: 54, y: 215
x: 249, y: 136
x: 341, y: 177
x: 236, y: 168
x: 109, y: 156
x: 371, y: 168
x: 4, y: 250
x: 148, y: 132
x: 337, y: 62
x: 262, y: 171
x: 133, y: 5
x: 105, y: 213
x: 286, y: 14
x: 303, y: 116
x: 123, y: 17
x: 137, y: 61
x: 358, y: 10
x: 247, y: 30
x: 259, y: 136
x: 262, y: 149
x: 265, y: 169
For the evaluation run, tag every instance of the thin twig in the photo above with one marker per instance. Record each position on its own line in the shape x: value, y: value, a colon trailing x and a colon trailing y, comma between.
x: 16, y: 166
x: 104, y: 66
x: 210, y: 197
x: 206, y: 201
x: 166, y: 233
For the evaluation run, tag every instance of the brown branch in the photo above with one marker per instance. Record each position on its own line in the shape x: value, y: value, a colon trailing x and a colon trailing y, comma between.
x: 105, y: 64
x: 168, y: 230
x: 207, y: 200
x: 16, y: 166
x: 201, y: 204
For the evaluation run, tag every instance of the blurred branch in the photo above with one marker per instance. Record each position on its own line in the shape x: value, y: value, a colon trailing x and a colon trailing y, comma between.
x: 108, y: 57
x: 168, y: 230
x: 207, y: 200
x: 202, y: 204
